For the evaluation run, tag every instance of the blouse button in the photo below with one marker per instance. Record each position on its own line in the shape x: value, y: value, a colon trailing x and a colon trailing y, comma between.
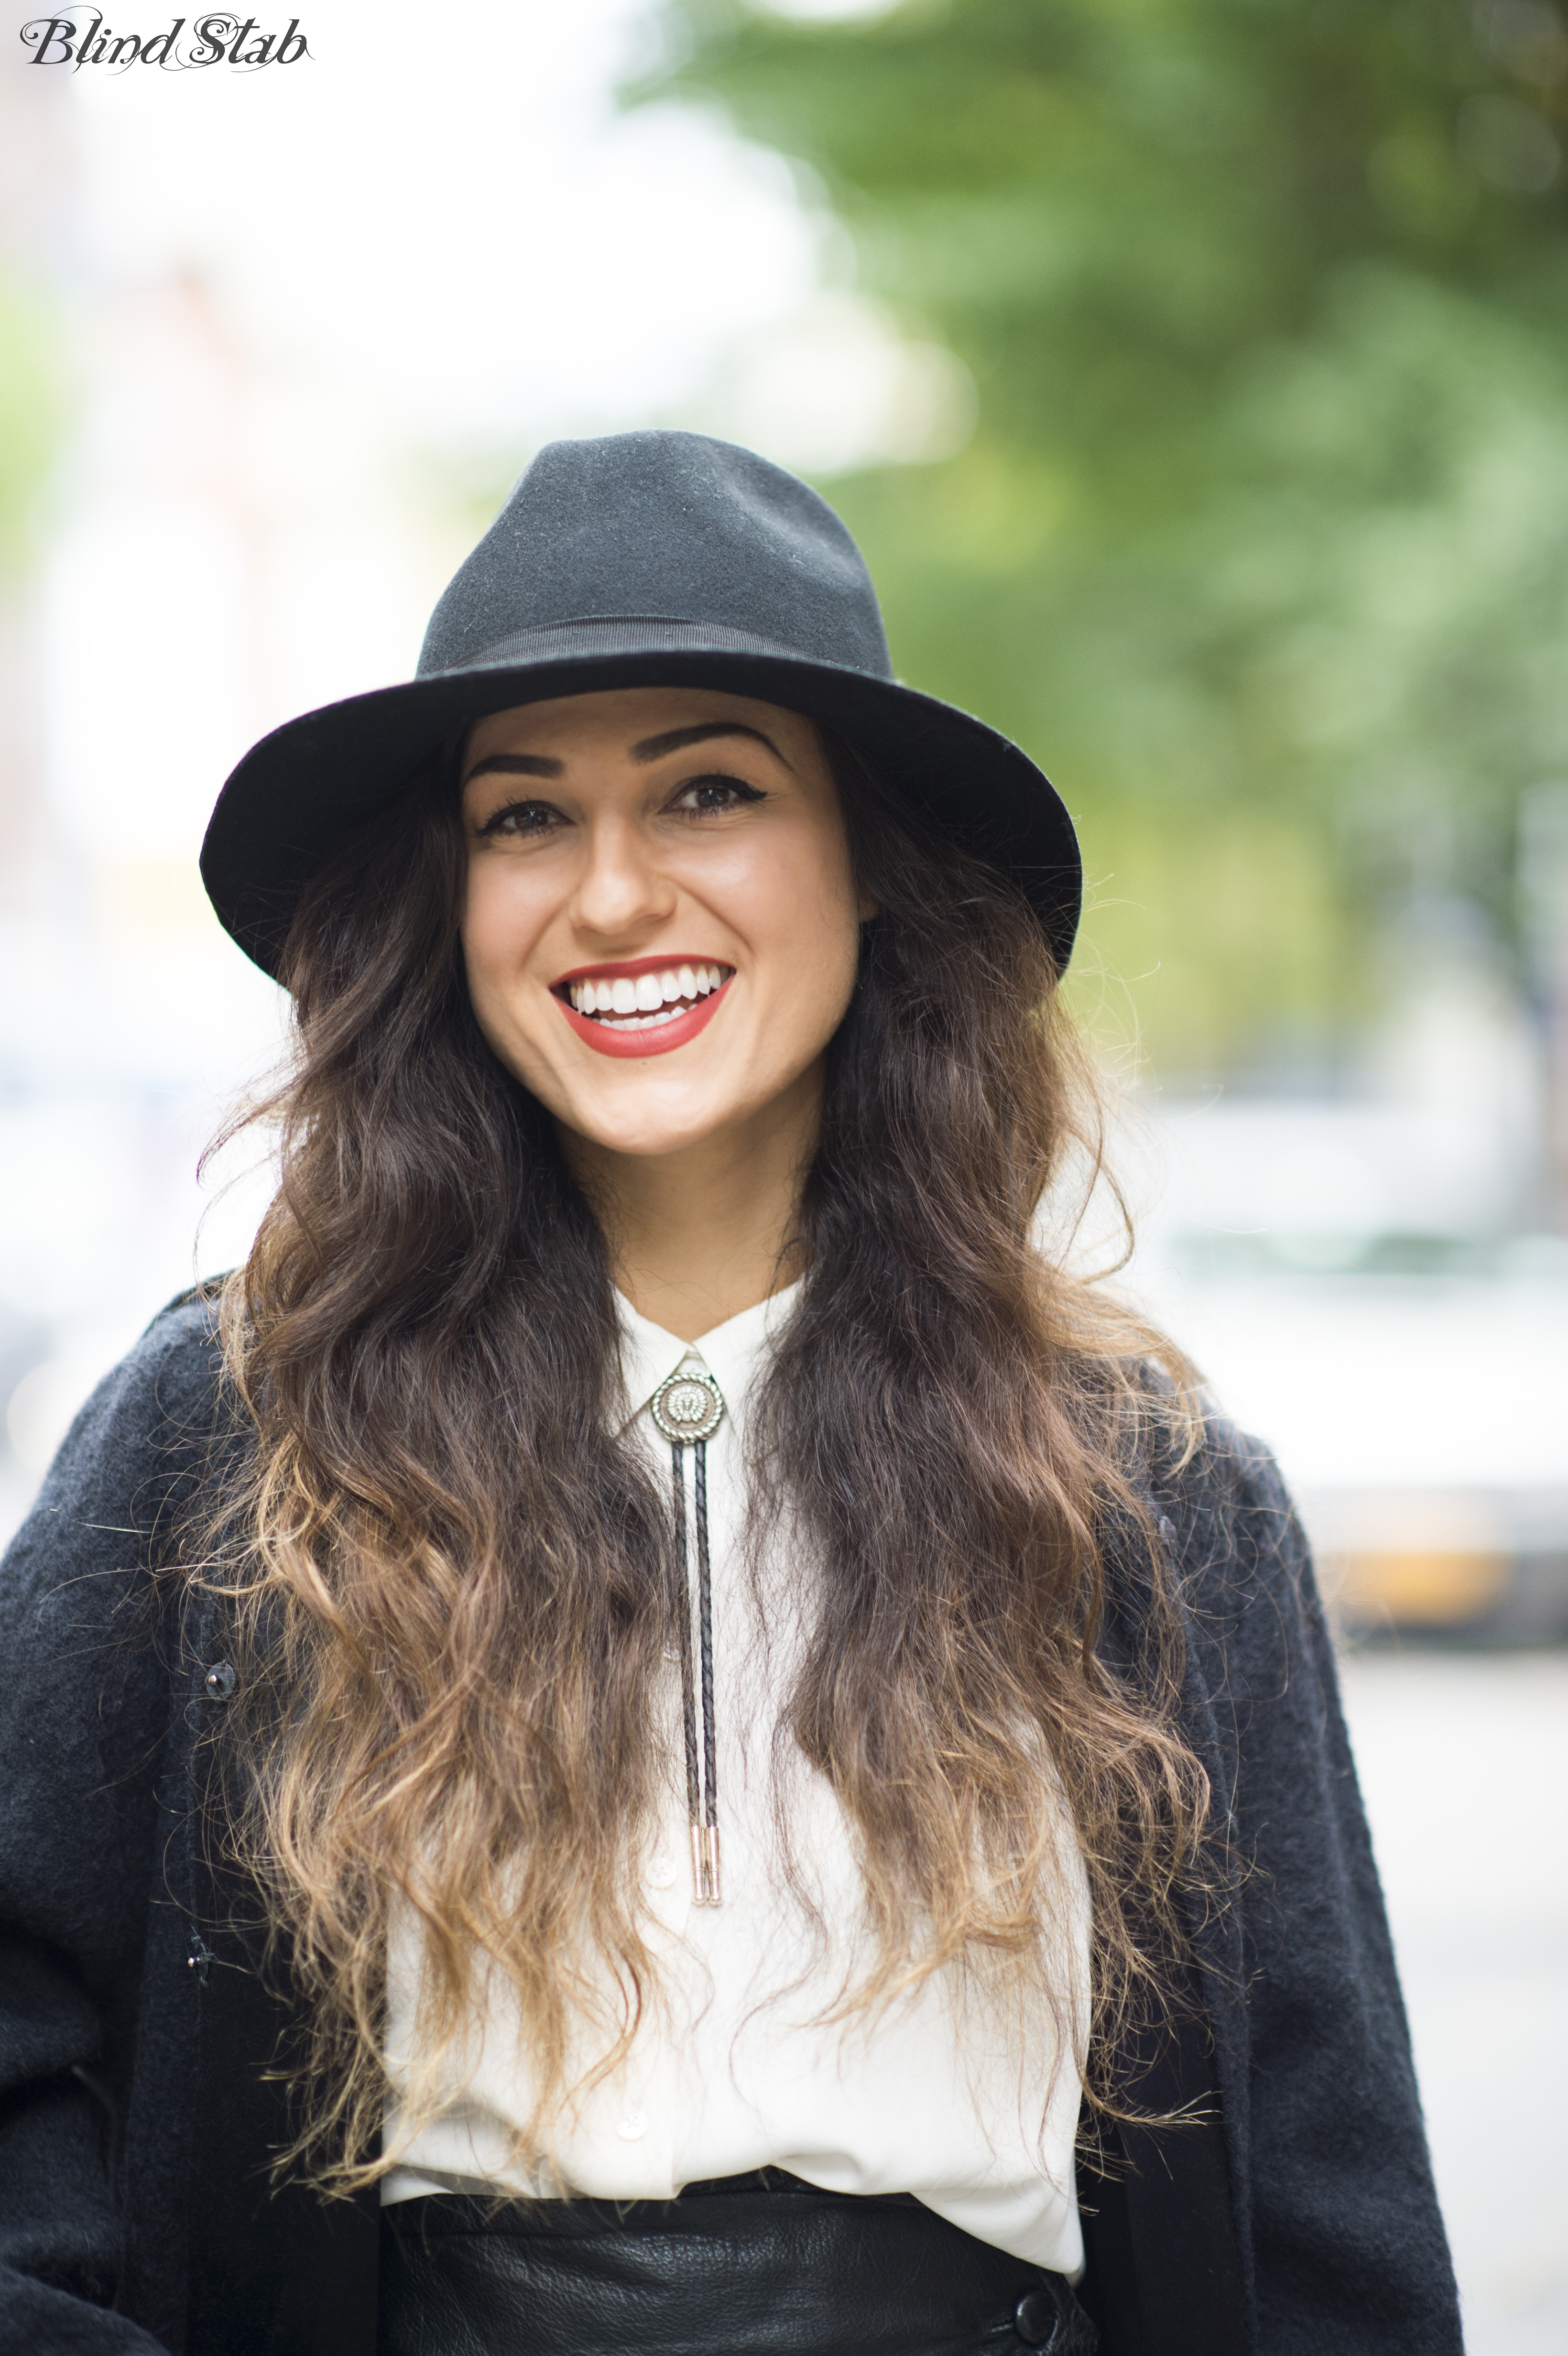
x: 220, y: 1681
x: 634, y: 2126
x: 661, y: 1872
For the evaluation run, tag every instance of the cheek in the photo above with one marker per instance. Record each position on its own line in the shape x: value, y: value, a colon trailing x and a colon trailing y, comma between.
x: 814, y: 938
x: 478, y: 932
x: 497, y: 930
x: 836, y: 904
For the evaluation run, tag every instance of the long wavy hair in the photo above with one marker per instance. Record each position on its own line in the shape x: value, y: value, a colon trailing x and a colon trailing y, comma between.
x: 452, y: 1592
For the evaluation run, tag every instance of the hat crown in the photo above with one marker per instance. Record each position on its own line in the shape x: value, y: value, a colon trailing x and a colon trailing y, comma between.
x: 662, y: 526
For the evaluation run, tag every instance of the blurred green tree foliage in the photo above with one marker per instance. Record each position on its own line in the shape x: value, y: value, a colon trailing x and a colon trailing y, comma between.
x: 29, y: 409
x: 1261, y: 543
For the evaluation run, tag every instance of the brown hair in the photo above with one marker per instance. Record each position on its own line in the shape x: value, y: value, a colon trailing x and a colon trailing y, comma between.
x: 454, y: 1591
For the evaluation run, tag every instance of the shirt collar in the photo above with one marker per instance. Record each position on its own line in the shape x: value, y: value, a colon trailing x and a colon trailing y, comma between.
x: 731, y: 1352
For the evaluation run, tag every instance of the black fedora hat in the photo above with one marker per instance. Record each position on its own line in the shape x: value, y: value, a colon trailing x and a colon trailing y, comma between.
x: 639, y: 559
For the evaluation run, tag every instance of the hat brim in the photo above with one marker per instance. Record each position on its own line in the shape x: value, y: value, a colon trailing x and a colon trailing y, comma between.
x: 297, y: 793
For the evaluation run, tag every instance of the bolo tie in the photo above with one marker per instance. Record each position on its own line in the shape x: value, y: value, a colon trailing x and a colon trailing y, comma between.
x: 689, y: 1408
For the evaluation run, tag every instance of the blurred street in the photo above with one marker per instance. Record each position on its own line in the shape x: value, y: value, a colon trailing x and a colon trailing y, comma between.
x: 1464, y: 1762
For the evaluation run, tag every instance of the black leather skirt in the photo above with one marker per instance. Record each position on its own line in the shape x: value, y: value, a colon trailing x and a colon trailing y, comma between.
x: 749, y: 2265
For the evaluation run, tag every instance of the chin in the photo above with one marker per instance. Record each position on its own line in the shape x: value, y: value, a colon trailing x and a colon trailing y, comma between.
x: 646, y: 1121
x: 648, y: 1140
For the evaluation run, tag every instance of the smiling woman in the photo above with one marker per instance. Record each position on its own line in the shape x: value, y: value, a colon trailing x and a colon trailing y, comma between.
x: 750, y: 1768
x: 687, y: 876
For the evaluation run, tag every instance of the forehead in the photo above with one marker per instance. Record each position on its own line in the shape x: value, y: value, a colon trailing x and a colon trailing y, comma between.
x: 611, y: 721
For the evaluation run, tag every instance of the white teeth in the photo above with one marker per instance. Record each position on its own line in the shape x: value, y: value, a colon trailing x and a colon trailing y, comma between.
x: 651, y: 997
x: 644, y: 1021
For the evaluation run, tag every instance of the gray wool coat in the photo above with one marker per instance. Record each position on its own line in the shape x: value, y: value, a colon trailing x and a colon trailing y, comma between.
x: 1295, y: 2217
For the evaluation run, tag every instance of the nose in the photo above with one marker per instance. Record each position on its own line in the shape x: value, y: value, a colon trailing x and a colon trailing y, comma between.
x: 622, y: 891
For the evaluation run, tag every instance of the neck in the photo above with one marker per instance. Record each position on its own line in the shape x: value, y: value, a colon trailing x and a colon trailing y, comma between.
x: 701, y: 1234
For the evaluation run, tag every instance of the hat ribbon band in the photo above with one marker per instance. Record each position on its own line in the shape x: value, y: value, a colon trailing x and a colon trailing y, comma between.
x: 631, y: 634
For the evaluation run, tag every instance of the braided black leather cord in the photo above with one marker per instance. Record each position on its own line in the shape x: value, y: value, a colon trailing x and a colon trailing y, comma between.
x: 705, y: 1615
x: 683, y: 1616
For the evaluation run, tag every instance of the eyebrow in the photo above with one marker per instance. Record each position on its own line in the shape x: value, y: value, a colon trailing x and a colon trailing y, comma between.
x: 647, y: 750
x: 676, y: 740
x: 517, y: 765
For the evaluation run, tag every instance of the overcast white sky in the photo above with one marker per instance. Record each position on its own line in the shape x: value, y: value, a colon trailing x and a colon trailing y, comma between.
x: 445, y: 211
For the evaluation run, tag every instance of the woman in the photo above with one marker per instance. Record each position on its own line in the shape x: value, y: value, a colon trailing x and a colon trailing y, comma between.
x: 654, y: 1731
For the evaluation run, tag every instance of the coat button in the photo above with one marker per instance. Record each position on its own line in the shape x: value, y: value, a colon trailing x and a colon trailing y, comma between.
x: 220, y: 1681
x: 1034, y: 2320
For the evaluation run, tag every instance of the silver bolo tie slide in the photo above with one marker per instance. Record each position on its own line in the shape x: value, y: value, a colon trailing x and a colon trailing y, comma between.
x: 689, y: 1409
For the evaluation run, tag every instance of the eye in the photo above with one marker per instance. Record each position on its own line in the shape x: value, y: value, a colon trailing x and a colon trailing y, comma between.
x: 520, y: 817
x: 703, y: 797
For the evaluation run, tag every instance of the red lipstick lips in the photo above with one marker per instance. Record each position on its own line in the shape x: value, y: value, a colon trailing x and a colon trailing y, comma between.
x: 656, y: 1039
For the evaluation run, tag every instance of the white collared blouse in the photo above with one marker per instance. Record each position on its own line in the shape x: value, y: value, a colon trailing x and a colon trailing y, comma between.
x: 736, y: 2067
